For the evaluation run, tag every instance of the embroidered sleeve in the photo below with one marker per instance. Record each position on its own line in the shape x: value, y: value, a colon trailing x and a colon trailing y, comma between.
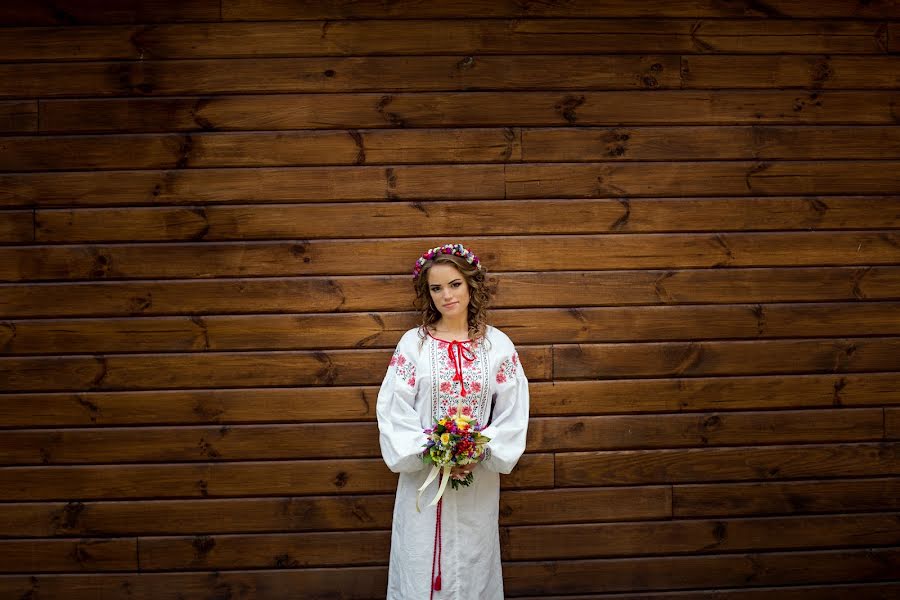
x: 507, y: 370
x: 404, y: 368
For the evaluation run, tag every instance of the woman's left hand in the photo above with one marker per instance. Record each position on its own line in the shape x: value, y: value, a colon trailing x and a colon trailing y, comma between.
x: 463, y: 471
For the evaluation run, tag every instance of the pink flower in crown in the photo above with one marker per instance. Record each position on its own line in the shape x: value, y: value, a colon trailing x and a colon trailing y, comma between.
x: 446, y: 386
x: 501, y: 378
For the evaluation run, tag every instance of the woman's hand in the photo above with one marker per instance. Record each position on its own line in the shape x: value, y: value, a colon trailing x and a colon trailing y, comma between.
x: 462, y: 472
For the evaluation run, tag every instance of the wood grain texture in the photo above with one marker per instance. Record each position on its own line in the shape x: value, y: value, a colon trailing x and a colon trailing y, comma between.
x: 465, y: 36
x: 18, y: 116
x: 383, y: 330
x: 75, y: 12
x: 222, y: 480
x: 469, y: 109
x: 341, y: 404
x: 391, y: 293
x: 537, y: 217
x: 545, y: 253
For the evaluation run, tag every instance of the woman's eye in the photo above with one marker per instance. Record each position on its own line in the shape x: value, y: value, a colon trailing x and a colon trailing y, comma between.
x: 457, y: 284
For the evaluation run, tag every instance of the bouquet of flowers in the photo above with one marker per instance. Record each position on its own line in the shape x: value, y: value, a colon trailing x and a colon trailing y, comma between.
x: 453, y: 441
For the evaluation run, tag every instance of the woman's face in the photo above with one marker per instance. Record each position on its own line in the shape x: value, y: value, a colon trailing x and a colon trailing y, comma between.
x: 449, y: 290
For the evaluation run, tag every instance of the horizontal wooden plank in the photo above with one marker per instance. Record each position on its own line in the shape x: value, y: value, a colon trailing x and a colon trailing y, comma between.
x: 815, y: 72
x: 686, y: 572
x: 16, y: 226
x: 785, y: 497
x: 423, y: 37
x: 18, y: 116
x: 526, y: 543
x: 699, y: 178
x: 555, y: 542
x: 331, y: 404
x: 313, y: 513
x: 547, y: 144
x: 269, y: 148
x: 75, y: 12
x: 88, y: 555
x: 287, y: 550
x: 340, y: 220
x: 339, y: 74
x: 253, y: 10
x: 250, y: 184
x: 389, y: 293
x: 507, y: 253
x: 353, y: 583
x: 220, y: 369
x: 374, y: 330
x: 423, y: 182
x: 445, y: 145
x: 892, y: 423
x: 485, y: 109
x: 223, y: 480
x: 305, y: 441
x: 629, y: 467
x: 828, y: 591
x: 668, y: 359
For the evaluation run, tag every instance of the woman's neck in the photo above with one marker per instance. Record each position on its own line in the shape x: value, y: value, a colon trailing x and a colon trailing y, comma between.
x: 458, y: 328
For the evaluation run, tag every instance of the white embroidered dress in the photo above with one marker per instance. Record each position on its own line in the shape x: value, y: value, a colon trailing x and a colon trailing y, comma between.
x: 418, y: 389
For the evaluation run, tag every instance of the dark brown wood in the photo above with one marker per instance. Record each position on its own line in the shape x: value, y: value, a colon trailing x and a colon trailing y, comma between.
x: 219, y: 369
x: 351, y: 440
x: 18, y: 116
x: 450, y: 145
x: 87, y: 555
x: 383, y: 330
x: 545, y: 253
x: 420, y: 37
x: 291, y: 550
x: 251, y: 10
x: 336, y: 74
x: 680, y: 572
x: 827, y: 591
x: 892, y: 423
x: 353, y: 583
x: 16, y: 226
x: 696, y: 536
x: 223, y: 480
x: 391, y: 293
x: 668, y: 359
x: 340, y: 220
x: 269, y: 149
x: 726, y: 464
x: 77, y: 12
x: 545, y: 144
x: 337, y: 404
x: 808, y: 72
x: 785, y: 497
x: 485, y: 109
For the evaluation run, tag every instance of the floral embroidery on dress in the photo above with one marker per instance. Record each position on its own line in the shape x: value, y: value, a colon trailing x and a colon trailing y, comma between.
x: 507, y: 370
x: 445, y: 392
x: 406, y: 369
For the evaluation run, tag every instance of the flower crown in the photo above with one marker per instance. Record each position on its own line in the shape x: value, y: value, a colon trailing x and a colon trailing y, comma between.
x: 454, y: 249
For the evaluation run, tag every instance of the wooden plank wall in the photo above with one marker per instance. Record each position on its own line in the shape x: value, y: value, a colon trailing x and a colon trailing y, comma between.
x: 208, y: 211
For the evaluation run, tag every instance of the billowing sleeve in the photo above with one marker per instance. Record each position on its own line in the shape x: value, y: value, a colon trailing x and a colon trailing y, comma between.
x: 400, y: 431
x: 509, y: 421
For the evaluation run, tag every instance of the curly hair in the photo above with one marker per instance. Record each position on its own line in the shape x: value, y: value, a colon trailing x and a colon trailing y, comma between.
x: 480, y: 293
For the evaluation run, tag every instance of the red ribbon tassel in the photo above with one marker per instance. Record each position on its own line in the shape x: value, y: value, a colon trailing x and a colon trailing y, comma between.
x: 463, y: 352
x: 436, y: 553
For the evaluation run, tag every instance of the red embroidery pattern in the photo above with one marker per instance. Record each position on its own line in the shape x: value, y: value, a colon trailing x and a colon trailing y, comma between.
x: 507, y: 370
x: 406, y: 369
x: 445, y: 393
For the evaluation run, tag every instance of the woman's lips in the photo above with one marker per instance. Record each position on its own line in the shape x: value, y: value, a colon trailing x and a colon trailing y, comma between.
x: 451, y: 304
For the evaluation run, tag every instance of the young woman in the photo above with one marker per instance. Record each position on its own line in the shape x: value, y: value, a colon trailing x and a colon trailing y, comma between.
x: 451, y: 550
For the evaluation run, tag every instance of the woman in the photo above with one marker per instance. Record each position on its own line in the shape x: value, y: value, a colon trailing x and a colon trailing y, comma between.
x: 451, y: 550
